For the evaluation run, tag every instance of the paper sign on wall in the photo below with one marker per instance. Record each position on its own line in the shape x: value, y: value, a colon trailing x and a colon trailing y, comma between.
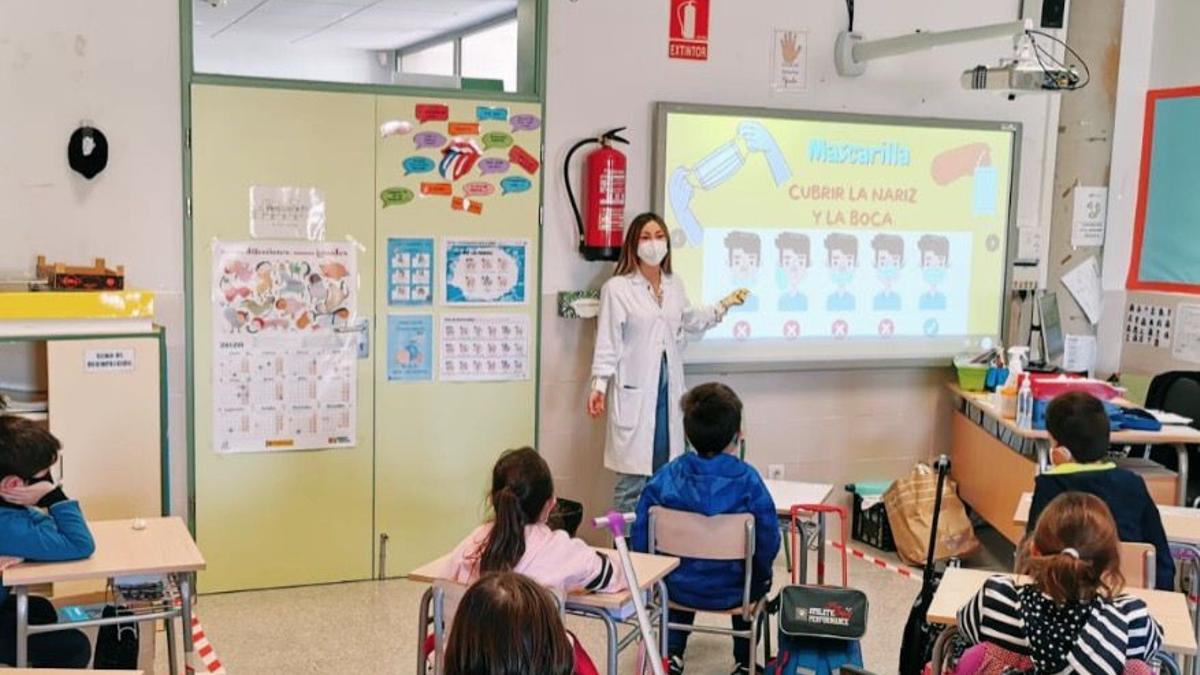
x: 1089, y: 216
x: 287, y: 213
x: 108, y: 360
x: 410, y: 271
x: 1149, y: 325
x: 1187, y: 333
x: 789, y: 55
x: 486, y: 271
x: 410, y: 347
x: 484, y: 347
x: 688, y: 30
x: 1079, y: 354
x: 1084, y: 284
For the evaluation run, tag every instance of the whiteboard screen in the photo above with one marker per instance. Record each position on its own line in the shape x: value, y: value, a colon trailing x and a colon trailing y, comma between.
x: 863, y: 240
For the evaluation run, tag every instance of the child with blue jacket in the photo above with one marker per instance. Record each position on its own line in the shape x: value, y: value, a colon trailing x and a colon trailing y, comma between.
x: 37, y: 522
x: 712, y: 481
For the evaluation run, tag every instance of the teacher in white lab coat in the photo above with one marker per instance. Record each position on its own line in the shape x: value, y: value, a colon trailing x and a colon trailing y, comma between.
x: 637, y: 368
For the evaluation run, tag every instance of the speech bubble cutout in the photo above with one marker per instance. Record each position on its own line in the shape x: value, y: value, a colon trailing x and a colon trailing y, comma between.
x: 484, y: 114
x: 492, y: 165
x: 525, y: 122
x: 396, y: 195
x: 496, y: 139
x: 463, y: 128
x: 479, y: 189
x: 394, y: 128
x: 429, y: 139
x: 517, y: 155
x: 417, y: 165
x: 437, y: 189
x: 514, y: 184
x: 431, y: 112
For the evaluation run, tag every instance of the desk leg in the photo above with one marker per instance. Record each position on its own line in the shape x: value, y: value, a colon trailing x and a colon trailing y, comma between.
x: 1182, y: 474
x: 172, y: 647
x: 185, y: 599
x: 663, y: 619
x: 785, y: 529
x: 22, y: 626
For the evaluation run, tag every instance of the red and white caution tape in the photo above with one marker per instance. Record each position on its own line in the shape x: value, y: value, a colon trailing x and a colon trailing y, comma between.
x: 878, y: 562
x: 204, y: 648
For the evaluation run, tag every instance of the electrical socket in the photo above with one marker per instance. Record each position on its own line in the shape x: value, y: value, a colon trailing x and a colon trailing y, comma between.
x: 775, y: 471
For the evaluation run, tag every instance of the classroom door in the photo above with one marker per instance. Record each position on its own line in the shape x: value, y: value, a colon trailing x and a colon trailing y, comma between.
x: 436, y: 438
x: 281, y: 518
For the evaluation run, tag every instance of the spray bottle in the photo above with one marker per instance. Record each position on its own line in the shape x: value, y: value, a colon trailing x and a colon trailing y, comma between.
x: 1017, y: 358
x: 1025, y: 405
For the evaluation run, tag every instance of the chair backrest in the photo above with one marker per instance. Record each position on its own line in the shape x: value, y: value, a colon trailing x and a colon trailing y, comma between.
x: 1177, y: 391
x: 1138, y: 564
x: 691, y: 535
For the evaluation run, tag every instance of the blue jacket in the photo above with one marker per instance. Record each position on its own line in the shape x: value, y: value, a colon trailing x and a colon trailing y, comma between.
x: 1127, y: 498
x: 60, y: 534
x: 713, y: 486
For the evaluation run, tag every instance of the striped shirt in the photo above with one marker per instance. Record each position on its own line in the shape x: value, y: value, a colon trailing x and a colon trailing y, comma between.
x: 1089, y: 639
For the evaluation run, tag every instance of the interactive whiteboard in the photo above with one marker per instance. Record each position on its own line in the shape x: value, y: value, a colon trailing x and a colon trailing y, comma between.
x: 864, y: 240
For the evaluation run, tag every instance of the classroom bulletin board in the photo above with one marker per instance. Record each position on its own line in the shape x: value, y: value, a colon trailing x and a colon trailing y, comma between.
x: 438, y: 199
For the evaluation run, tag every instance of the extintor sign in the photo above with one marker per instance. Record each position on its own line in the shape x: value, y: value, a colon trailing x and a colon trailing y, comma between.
x: 689, y: 30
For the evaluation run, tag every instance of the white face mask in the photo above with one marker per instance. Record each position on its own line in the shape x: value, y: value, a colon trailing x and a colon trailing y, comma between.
x: 652, y: 252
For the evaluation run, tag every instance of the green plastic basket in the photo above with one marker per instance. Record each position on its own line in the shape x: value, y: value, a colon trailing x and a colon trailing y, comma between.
x: 971, y: 376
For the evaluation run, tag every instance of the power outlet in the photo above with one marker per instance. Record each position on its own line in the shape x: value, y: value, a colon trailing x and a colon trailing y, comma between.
x: 775, y: 471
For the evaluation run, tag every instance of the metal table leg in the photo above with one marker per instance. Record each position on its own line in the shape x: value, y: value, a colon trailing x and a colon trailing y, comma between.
x: 185, y: 618
x: 664, y: 608
x: 610, y: 628
x: 22, y: 626
x: 172, y: 647
x: 1181, y: 452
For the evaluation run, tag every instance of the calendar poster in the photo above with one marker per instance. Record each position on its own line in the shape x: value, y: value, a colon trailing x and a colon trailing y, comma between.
x: 284, y: 346
x: 484, y: 347
x: 486, y: 272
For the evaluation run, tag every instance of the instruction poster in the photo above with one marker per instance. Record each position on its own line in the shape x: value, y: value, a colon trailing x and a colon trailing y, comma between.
x: 485, y: 347
x: 287, y: 213
x: 410, y: 271
x: 486, y: 272
x: 410, y: 347
x: 1187, y: 337
x: 284, y: 346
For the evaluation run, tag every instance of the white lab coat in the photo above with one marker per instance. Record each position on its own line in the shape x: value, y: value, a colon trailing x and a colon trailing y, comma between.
x: 632, y: 334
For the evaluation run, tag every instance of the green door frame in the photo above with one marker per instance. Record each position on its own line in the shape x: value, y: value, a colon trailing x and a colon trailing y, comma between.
x: 531, y: 76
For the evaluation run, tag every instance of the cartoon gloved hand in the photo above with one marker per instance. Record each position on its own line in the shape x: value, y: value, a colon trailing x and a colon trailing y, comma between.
x: 758, y: 139
x: 679, y: 193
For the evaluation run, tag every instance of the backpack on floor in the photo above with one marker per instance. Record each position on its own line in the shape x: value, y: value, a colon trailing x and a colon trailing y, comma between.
x: 819, y: 630
x: 116, y: 644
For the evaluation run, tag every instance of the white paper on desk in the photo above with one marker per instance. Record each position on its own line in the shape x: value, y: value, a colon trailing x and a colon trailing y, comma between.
x: 1084, y: 284
x: 1187, y: 333
x: 1089, y: 216
x: 1079, y: 355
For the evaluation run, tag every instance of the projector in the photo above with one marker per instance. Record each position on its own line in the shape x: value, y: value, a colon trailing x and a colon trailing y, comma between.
x: 1015, y: 78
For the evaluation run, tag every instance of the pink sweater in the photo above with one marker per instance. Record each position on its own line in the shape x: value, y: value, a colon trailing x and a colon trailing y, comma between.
x: 552, y: 558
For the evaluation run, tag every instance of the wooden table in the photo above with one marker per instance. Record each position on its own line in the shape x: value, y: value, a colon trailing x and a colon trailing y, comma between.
x: 991, y: 475
x: 1169, y: 609
x: 610, y: 608
x: 164, y: 546
x: 63, y: 671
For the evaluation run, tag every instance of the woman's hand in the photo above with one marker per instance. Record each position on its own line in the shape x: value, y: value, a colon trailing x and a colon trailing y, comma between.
x: 735, y: 298
x: 595, y: 403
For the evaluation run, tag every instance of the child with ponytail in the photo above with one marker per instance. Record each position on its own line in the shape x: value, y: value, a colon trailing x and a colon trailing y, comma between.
x: 518, y: 539
x: 1070, y: 617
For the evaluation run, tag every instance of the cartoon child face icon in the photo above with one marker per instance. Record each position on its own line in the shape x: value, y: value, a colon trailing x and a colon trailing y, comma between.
x: 889, y: 257
x: 744, y: 257
x: 935, y: 257
x: 794, y: 266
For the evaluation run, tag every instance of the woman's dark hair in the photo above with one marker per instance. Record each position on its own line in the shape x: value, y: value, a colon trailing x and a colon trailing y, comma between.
x: 521, y: 486
x: 712, y: 417
x: 506, y: 624
x: 26, y: 448
x: 628, y: 262
x: 1073, y: 554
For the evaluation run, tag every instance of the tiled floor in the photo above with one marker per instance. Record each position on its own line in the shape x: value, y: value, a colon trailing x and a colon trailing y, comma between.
x: 370, y: 627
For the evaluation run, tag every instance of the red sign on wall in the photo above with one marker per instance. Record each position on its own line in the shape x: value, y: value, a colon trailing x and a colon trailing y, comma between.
x: 689, y: 30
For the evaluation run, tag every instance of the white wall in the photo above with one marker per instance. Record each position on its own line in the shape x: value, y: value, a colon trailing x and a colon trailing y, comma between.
x: 115, y: 63
x: 607, y: 65
x: 1158, y: 50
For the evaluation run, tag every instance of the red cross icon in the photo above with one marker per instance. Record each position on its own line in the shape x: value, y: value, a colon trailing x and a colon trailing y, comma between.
x: 741, y: 330
x: 886, y: 327
x: 840, y: 328
x: 791, y: 330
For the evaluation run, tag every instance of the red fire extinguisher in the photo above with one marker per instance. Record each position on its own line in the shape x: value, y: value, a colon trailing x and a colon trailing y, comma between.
x: 601, y: 225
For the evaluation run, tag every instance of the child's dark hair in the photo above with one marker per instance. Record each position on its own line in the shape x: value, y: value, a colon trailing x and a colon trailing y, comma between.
x: 521, y: 486
x: 25, y: 447
x: 506, y: 624
x: 1073, y: 554
x: 1079, y: 422
x: 712, y: 417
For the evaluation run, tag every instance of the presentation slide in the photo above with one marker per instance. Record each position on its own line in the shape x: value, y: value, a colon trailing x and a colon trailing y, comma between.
x: 860, y: 238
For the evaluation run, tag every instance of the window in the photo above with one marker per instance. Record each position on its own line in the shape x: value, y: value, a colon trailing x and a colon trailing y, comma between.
x: 436, y: 59
x: 491, y: 54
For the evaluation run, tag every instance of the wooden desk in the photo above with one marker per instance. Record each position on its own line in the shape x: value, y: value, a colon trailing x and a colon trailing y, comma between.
x: 1181, y: 523
x: 650, y: 571
x: 785, y: 493
x: 63, y: 671
x: 991, y: 475
x: 1169, y: 609
x: 163, y: 547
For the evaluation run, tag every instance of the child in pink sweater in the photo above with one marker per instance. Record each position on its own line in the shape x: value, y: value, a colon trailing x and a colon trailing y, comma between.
x: 519, y: 540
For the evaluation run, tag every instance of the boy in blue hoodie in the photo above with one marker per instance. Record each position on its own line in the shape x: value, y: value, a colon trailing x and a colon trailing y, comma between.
x: 712, y: 481
x: 37, y: 522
